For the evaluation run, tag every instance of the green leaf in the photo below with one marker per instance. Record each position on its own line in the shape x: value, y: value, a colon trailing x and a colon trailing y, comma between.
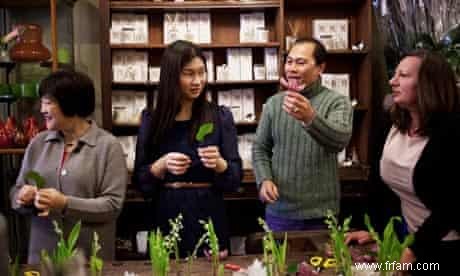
x: 292, y: 269
x: 14, y: 268
x: 205, y: 129
x: 73, y: 236
x: 36, y: 178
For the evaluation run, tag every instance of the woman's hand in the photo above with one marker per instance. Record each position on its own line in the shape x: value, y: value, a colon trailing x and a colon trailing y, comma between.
x: 174, y: 162
x: 48, y: 199
x: 360, y: 237
x: 26, y: 195
x: 222, y: 254
x: 211, y: 158
x: 407, y: 256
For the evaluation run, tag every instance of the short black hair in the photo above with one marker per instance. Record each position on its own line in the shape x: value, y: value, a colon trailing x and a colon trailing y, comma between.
x: 319, y: 53
x: 72, y: 90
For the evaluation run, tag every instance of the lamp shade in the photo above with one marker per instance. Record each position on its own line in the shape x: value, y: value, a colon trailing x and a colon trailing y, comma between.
x: 30, y: 47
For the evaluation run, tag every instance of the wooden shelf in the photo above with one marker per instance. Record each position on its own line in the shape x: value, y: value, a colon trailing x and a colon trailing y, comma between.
x: 303, y: 3
x: 353, y: 173
x: 126, y: 125
x: 248, y: 189
x: 193, y: 5
x: 243, y: 82
x: 206, y: 46
x: 18, y: 151
x: 31, y: 3
x: 134, y: 125
x: 348, y: 52
x: 24, y: 3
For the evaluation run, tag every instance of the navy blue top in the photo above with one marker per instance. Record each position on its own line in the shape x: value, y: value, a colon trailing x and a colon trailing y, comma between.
x: 196, y: 203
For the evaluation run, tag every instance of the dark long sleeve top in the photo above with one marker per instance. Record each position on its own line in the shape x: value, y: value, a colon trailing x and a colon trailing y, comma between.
x: 176, y: 140
x: 194, y: 204
x: 436, y: 182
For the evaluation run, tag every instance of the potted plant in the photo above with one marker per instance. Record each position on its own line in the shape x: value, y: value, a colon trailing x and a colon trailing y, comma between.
x: 95, y: 263
x: 161, y: 247
x: 274, y: 253
x: 340, y: 249
x: 65, y: 258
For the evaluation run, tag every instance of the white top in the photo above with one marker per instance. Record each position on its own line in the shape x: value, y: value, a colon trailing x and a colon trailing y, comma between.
x: 400, y: 155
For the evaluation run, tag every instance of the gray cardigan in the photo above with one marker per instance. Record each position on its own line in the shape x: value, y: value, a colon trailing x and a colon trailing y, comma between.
x: 94, y: 179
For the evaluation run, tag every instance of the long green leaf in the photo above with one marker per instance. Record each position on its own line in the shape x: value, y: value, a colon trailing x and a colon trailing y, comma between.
x: 205, y: 129
x: 73, y: 236
x: 36, y: 178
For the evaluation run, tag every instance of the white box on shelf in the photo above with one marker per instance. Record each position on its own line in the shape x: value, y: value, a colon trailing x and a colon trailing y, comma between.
x: 234, y: 63
x: 141, y: 34
x: 237, y: 104
x: 222, y: 72
x: 209, y: 96
x: 117, y: 66
x: 121, y: 107
x: 193, y: 27
x: 271, y: 63
x: 249, y: 23
x: 140, y: 103
x: 248, y: 102
x: 259, y: 72
x: 174, y: 27
x: 128, y: 144
x: 337, y: 82
x: 115, y: 29
x: 245, y: 63
x: 246, y: 30
x: 333, y: 33
x: 205, y: 27
x: 154, y: 73
x: 224, y: 98
x: 209, y: 56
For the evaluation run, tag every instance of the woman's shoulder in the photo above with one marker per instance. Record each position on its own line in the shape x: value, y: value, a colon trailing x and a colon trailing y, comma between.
x: 224, y: 114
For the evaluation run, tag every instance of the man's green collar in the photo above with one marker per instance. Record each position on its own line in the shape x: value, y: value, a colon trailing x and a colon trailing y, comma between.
x: 312, y: 90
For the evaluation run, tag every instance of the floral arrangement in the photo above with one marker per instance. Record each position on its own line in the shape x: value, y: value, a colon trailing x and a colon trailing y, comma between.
x: 95, y: 263
x: 210, y: 238
x: 161, y: 247
x: 340, y: 249
x: 389, y: 247
x: 274, y: 253
x: 65, y: 249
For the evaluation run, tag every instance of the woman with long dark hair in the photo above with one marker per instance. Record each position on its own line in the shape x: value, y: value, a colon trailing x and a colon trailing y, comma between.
x: 182, y: 174
x: 419, y: 160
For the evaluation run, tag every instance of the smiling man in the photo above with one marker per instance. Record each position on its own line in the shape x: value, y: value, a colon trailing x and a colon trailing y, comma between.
x: 297, y: 141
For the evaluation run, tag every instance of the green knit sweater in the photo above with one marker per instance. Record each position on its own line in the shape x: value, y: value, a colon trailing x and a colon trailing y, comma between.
x: 302, y: 161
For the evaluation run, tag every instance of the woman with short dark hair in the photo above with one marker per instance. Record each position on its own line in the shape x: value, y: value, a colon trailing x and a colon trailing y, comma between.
x: 182, y: 174
x: 82, y: 164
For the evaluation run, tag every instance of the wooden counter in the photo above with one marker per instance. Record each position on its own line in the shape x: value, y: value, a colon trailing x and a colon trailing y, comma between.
x: 201, y: 266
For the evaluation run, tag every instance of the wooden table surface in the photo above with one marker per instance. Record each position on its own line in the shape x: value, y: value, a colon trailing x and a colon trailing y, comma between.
x: 201, y: 266
x: 301, y: 246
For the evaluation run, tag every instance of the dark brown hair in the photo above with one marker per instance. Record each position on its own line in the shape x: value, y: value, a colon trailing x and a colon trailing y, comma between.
x: 437, y: 92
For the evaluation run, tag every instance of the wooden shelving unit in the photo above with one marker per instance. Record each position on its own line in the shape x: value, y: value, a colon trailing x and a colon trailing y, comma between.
x: 192, y: 5
x: 17, y: 151
x: 225, y: 34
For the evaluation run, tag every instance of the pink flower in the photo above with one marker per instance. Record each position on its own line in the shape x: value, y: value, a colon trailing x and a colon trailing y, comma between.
x: 12, y: 35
